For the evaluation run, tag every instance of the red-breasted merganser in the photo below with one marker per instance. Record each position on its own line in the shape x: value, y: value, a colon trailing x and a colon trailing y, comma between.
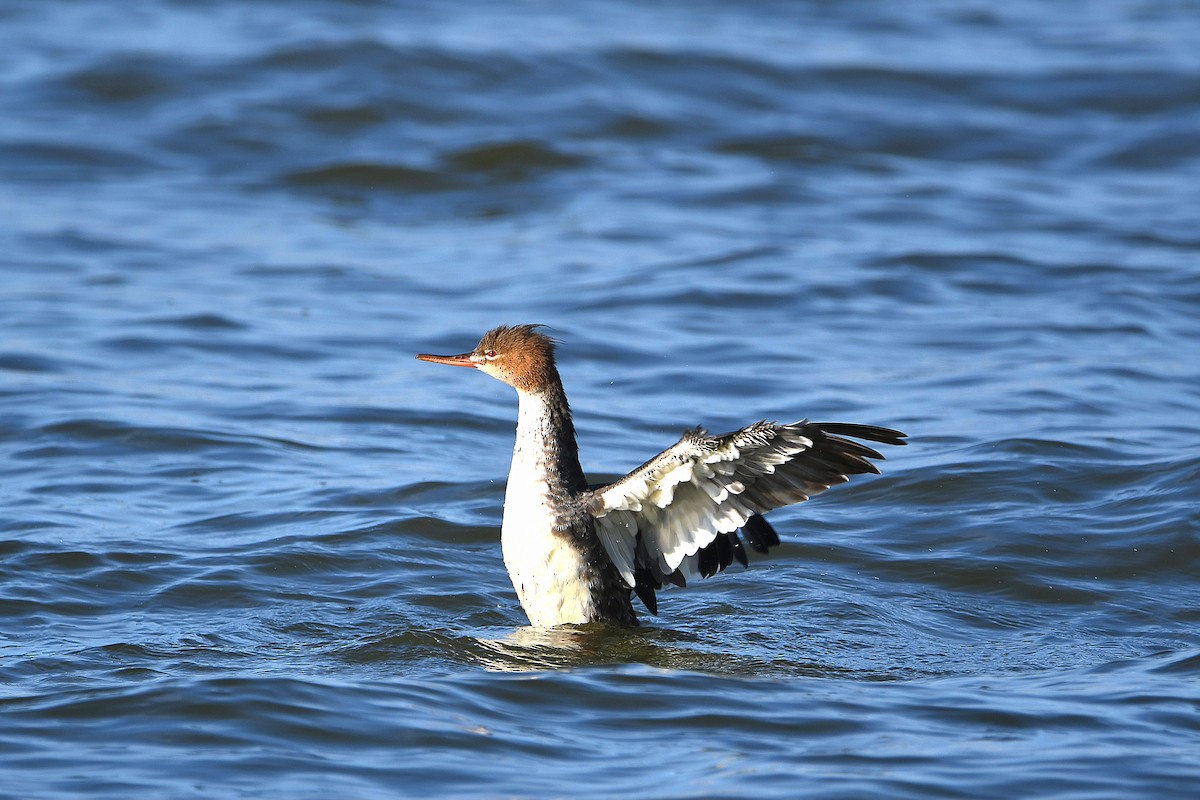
x: 578, y: 554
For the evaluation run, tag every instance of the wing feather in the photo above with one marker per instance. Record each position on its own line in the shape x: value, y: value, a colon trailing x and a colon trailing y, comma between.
x: 677, y: 516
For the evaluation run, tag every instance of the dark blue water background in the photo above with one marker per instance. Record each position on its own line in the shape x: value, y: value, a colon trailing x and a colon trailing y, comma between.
x: 249, y: 546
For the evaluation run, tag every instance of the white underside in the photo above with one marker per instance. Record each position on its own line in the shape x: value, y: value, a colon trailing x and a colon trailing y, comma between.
x: 546, y: 571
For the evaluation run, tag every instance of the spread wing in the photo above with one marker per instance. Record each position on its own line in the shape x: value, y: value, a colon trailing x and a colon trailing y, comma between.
x: 677, y: 515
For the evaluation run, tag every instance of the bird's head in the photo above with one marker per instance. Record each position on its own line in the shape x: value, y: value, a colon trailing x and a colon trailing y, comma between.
x: 520, y: 355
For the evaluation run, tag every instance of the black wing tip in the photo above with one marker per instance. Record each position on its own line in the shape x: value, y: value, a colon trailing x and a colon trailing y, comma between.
x: 871, y: 433
x: 760, y: 534
x: 835, y: 447
x: 728, y: 547
x: 643, y: 587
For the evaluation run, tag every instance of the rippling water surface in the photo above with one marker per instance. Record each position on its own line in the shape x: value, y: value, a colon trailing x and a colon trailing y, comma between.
x: 249, y: 546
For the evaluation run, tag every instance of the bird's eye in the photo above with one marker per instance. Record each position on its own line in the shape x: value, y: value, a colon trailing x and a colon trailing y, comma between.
x: 490, y: 354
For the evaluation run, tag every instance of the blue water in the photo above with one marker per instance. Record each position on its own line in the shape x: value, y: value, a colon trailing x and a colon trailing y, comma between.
x: 249, y: 546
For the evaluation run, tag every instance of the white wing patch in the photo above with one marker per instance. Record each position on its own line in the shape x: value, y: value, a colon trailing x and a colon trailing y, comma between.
x: 703, y: 486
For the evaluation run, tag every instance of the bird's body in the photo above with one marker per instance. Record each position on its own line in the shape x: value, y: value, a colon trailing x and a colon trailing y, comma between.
x: 548, y: 537
x: 578, y: 554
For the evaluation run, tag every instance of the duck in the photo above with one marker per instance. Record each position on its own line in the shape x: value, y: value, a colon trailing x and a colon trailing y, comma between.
x: 579, y: 553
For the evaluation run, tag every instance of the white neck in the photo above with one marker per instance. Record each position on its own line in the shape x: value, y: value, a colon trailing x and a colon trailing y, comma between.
x: 547, y: 569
